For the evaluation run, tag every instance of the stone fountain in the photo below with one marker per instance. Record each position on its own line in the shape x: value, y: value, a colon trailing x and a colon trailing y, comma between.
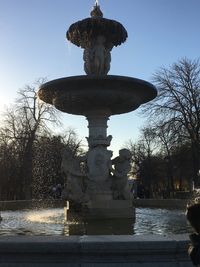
x: 97, y: 182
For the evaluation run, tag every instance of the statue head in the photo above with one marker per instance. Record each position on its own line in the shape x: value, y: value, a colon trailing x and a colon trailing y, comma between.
x: 125, y: 154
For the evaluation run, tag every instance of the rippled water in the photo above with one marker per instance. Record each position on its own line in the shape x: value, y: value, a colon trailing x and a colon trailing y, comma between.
x: 160, y: 221
x: 51, y: 222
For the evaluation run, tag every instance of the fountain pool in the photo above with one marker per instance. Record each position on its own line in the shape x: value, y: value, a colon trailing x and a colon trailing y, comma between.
x: 51, y: 222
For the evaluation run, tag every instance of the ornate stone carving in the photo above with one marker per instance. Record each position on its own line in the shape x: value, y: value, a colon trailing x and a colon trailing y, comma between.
x: 99, y: 167
x: 99, y: 140
x: 97, y: 58
x: 99, y: 164
x: 75, y: 176
x: 96, y: 12
x: 97, y: 36
x: 121, y: 169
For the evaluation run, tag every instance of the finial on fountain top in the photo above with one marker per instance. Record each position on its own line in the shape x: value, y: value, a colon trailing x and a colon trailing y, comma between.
x: 96, y: 11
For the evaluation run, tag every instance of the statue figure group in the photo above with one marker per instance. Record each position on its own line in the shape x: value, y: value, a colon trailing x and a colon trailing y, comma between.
x: 97, y: 57
x: 96, y: 169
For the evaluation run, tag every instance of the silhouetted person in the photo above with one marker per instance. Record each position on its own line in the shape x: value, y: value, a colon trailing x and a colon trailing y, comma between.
x: 140, y: 191
x: 58, y: 190
x: 147, y: 193
x: 193, y: 216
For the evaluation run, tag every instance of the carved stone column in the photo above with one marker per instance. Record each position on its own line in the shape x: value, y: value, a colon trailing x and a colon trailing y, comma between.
x: 97, y: 124
x: 98, y: 157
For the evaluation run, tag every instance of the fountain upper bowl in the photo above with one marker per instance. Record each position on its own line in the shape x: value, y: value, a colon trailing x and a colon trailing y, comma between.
x: 81, y: 95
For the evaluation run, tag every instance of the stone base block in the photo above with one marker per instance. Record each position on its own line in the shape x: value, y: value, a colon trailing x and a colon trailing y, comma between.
x: 101, y: 217
x: 103, y: 196
x: 115, y: 217
x: 101, y: 209
x: 98, y: 213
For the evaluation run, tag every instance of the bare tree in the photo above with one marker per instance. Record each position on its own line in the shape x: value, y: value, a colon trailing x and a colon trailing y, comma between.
x: 165, y: 139
x: 22, y: 124
x: 178, y: 104
x: 145, y: 159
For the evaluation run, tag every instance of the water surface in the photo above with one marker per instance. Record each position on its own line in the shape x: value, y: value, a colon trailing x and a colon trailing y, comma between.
x: 51, y: 222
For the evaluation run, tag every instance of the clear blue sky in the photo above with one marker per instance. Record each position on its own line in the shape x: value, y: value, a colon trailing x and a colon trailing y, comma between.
x: 33, y: 45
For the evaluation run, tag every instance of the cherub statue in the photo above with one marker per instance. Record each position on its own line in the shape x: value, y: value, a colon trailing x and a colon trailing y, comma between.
x: 120, y: 171
x: 71, y: 168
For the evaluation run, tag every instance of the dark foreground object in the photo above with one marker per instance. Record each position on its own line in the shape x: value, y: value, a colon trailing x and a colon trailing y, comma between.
x: 194, y: 249
x: 95, y: 251
x: 193, y: 216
